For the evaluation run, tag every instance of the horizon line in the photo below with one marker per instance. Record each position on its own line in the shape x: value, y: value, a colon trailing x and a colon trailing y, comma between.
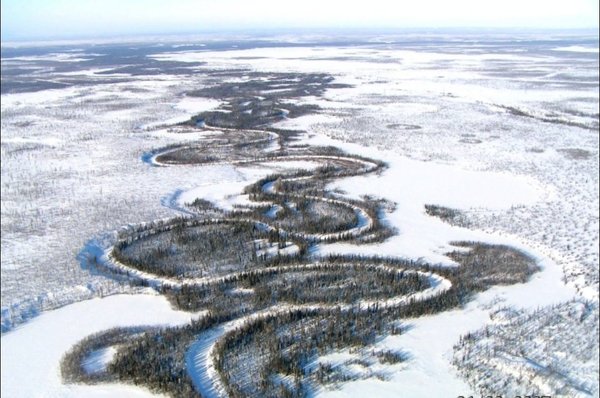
x: 299, y: 31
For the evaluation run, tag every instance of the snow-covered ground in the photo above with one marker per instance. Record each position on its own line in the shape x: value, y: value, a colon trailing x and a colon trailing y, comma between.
x: 506, y: 133
x: 31, y: 354
x: 72, y: 174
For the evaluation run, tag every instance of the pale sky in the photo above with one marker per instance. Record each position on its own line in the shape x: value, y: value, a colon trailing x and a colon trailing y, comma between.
x: 53, y: 19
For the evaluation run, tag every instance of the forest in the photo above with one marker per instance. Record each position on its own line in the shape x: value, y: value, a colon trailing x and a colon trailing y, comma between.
x: 271, y: 306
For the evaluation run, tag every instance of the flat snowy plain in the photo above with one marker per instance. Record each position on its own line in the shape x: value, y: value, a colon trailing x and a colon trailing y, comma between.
x: 504, y: 129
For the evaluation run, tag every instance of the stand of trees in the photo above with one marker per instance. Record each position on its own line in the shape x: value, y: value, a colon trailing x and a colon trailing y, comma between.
x: 308, y: 308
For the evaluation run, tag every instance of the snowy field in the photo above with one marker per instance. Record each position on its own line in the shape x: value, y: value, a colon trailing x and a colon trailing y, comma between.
x: 52, y: 334
x: 503, y: 129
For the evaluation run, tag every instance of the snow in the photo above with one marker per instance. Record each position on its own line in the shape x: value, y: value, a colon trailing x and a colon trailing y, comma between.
x: 74, y: 154
x: 36, y: 98
x: 335, y: 357
x: 177, y: 134
x: 577, y: 49
x: 200, y: 354
x: 540, y: 202
x: 108, y: 390
x: 272, y: 249
x: 195, y: 105
x: 199, y: 361
x: 98, y: 360
x: 95, y: 72
x: 299, y: 122
x: 273, y: 210
x: 226, y: 196
x: 411, y: 72
x: 428, y: 371
x: 186, y: 107
x: 292, y: 165
x: 412, y: 184
x: 56, y: 57
x: 31, y: 353
x: 50, y: 141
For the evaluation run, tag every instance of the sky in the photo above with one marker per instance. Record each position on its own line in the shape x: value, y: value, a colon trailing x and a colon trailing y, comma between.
x: 60, y: 19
